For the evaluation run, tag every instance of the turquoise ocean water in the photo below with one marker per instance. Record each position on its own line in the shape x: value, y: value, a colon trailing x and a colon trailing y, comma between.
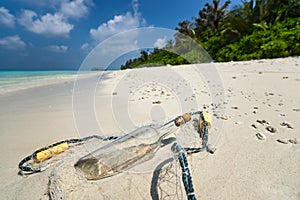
x: 11, y: 80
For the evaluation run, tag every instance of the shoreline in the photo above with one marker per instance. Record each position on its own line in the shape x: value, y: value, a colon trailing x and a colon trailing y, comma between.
x: 24, y: 82
x: 70, y: 77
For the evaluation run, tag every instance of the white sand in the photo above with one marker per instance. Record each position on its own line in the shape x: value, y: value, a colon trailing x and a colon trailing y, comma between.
x: 243, y: 167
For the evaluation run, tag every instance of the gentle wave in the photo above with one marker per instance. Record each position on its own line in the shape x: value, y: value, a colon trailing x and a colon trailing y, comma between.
x: 11, y: 81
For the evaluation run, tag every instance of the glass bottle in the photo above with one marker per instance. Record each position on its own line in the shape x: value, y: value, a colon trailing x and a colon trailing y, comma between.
x: 125, y: 152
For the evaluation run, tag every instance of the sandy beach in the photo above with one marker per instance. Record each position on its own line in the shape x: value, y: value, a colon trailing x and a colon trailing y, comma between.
x: 244, y: 99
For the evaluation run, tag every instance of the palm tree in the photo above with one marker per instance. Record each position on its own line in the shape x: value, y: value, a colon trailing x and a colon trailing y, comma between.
x: 259, y: 13
x: 144, y: 55
x: 280, y: 9
x: 242, y: 19
x: 211, y: 17
x: 185, y: 27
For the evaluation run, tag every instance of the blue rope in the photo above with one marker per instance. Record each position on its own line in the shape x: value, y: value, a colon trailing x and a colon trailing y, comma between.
x: 181, y: 156
x: 186, y: 175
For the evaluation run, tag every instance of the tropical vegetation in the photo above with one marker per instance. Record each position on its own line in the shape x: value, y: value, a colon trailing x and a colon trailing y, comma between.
x: 255, y: 29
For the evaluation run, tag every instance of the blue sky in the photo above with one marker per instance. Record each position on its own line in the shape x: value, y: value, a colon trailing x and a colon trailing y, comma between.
x: 59, y: 34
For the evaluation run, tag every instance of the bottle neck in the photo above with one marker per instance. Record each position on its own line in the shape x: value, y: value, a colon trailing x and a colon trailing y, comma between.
x: 166, y: 130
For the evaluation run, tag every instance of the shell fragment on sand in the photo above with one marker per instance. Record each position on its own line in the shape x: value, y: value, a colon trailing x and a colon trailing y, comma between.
x: 261, y: 136
x: 287, y: 124
x: 225, y: 117
x: 271, y: 129
x: 211, y: 149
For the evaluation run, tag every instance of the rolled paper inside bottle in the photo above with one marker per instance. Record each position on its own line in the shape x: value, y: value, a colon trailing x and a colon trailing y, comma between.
x: 124, y: 153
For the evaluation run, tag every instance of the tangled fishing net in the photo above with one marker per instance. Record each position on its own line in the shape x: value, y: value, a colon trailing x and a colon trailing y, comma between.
x: 156, y: 178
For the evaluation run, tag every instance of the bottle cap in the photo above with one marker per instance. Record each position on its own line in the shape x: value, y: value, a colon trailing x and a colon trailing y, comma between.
x: 182, y: 119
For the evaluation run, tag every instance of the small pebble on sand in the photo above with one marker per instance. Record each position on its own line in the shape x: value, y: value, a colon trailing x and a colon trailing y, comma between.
x: 262, y: 121
x: 282, y: 141
x: 156, y: 102
x: 294, y: 141
x: 254, y: 126
x: 265, y: 122
x: 205, y: 106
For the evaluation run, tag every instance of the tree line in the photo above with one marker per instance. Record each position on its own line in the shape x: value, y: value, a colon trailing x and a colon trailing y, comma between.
x: 255, y: 29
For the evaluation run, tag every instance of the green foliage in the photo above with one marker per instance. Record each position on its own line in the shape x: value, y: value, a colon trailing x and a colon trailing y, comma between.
x: 281, y: 40
x: 157, y: 58
x: 257, y: 29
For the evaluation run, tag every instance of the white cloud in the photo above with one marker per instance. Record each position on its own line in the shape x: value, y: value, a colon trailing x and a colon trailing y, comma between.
x: 12, y: 42
x: 48, y: 24
x: 6, y: 18
x: 57, y: 23
x: 160, y: 42
x: 109, y: 50
x: 119, y: 24
x: 85, y: 46
x: 57, y: 48
x: 75, y: 9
